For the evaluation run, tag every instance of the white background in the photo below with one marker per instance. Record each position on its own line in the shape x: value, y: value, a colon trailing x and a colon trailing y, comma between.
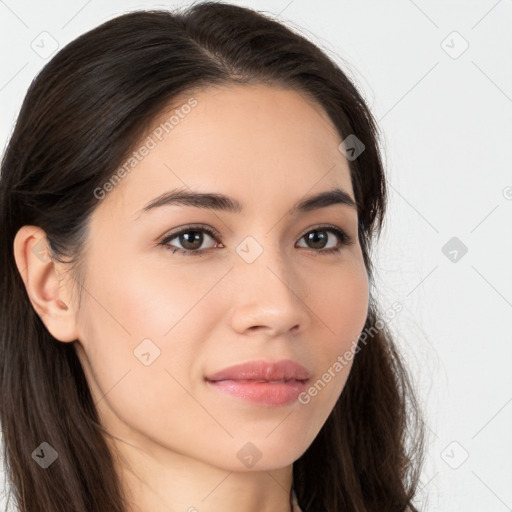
x: 446, y: 118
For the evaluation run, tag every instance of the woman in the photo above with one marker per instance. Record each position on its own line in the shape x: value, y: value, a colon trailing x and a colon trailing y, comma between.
x: 188, y: 203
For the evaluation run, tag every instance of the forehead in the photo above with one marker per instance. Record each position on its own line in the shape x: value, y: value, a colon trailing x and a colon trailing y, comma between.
x: 248, y: 141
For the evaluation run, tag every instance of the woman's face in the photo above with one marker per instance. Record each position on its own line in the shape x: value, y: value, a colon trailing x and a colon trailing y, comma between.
x: 154, y: 323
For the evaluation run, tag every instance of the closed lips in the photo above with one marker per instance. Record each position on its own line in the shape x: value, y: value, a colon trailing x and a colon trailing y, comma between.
x: 263, y: 383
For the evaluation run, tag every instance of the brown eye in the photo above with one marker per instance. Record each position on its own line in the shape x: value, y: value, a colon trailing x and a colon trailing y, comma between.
x: 318, y: 239
x: 191, y: 240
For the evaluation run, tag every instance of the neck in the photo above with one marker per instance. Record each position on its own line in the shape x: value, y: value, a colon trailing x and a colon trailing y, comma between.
x: 171, y: 482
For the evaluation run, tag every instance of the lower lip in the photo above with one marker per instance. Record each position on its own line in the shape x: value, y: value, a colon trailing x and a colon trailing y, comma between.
x: 263, y: 393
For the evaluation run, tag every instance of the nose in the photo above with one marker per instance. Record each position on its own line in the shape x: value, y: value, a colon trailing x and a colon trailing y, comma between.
x: 269, y: 296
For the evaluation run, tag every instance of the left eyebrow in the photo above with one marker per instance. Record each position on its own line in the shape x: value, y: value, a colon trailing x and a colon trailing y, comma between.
x: 221, y: 202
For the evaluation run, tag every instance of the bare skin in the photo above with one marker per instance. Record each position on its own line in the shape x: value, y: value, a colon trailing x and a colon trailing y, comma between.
x: 178, y: 439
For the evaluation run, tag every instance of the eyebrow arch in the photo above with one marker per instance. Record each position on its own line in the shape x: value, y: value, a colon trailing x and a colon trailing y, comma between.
x: 222, y: 202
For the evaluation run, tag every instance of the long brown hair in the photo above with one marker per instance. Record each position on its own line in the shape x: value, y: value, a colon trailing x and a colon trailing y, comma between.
x: 81, y: 117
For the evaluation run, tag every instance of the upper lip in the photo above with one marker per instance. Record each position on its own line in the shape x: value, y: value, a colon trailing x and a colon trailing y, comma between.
x: 262, y: 371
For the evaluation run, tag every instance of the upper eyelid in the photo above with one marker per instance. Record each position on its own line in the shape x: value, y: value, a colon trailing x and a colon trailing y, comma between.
x: 192, y: 227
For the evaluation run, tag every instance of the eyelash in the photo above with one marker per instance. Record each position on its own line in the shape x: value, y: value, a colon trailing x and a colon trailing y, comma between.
x: 344, y: 238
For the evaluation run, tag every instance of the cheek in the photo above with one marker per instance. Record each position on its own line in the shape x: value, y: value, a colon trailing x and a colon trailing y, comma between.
x: 342, y: 304
x: 341, y: 308
x: 144, y: 302
x: 140, y: 341
x: 142, y: 331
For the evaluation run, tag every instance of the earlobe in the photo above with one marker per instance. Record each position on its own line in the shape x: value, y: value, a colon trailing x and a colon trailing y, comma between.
x: 49, y: 297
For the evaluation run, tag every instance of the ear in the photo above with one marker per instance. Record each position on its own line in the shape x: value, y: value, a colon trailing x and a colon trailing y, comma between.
x: 49, y: 296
